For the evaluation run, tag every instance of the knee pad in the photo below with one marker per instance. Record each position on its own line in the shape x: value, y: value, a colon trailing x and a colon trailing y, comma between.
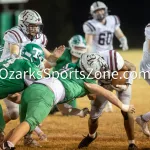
x: 125, y: 115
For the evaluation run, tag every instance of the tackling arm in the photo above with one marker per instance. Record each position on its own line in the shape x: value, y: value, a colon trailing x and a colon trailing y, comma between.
x: 98, y: 90
x: 52, y: 57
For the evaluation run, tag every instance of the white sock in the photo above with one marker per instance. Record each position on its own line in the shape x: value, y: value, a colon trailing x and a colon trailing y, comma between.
x: 146, y: 117
x: 131, y: 141
x: 10, y: 144
x: 92, y: 135
x: 38, y: 130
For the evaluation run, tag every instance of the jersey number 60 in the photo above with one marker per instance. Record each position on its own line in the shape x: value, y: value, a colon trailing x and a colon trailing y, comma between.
x: 105, y: 38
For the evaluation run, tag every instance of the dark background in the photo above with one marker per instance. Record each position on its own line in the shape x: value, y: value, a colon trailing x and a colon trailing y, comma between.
x: 64, y: 18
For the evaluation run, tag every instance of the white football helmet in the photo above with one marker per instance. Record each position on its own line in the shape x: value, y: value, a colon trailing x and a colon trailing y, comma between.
x: 29, y: 17
x: 97, y: 6
x: 93, y: 64
x: 78, y: 45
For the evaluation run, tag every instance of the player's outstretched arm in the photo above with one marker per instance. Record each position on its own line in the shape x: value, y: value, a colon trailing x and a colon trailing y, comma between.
x: 52, y: 57
x: 100, y: 91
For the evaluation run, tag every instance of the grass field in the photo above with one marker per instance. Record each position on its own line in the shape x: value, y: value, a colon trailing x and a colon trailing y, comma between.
x: 65, y: 133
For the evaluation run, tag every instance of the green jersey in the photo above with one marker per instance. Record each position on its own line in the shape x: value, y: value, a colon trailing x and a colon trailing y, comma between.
x: 73, y: 81
x: 70, y: 76
x: 12, y: 75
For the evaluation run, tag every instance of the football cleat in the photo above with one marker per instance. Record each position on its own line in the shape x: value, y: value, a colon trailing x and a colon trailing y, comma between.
x: 132, y: 147
x: 86, y: 141
x: 30, y: 142
x: 5, y: 146
x: 143, y: 124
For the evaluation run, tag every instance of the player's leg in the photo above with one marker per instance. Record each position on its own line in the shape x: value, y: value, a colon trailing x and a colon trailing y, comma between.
x: 36, y: 102
x: 142, y: 121
x: 2, y: 125
x: 97, y: 107
x: 125, y: 97
x: 12, y: 113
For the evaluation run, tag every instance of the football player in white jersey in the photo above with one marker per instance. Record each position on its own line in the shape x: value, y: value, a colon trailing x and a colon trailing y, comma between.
x: 143, y: 120
x: 115, y: 63
x: 29, y: 30
x: 100, y: 30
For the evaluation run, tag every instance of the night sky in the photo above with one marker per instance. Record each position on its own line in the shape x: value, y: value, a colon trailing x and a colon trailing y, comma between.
x: 64, y: 18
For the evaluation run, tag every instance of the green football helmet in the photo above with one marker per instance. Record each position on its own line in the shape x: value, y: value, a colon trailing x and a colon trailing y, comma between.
x: 34, y: 53
x: 78, y: 45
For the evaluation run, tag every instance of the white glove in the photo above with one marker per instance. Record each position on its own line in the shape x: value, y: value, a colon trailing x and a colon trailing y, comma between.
x: 124, y: 43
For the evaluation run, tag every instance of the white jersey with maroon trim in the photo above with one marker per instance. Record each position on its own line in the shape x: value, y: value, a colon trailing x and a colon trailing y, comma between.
x: 16, y: 36
x: 113, y: 59
x: 103, y: 33
x: 145, y: 63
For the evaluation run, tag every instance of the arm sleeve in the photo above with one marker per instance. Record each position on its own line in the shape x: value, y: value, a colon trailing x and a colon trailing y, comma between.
x: 11, y: 37
x: 44, y: 40
x: 88, y: 28
x: 117, y: 22
x: 120, y: 61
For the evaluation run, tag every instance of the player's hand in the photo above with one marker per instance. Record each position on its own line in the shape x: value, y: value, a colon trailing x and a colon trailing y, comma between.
x: 59, y: 51
x: 128, y: 108
x: 131, y: 109
x: 124, y: 46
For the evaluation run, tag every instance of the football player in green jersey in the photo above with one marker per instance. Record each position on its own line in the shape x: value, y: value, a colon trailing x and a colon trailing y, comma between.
x: 72, y: 54
x: 71, y: 83
x: 13, y: 72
